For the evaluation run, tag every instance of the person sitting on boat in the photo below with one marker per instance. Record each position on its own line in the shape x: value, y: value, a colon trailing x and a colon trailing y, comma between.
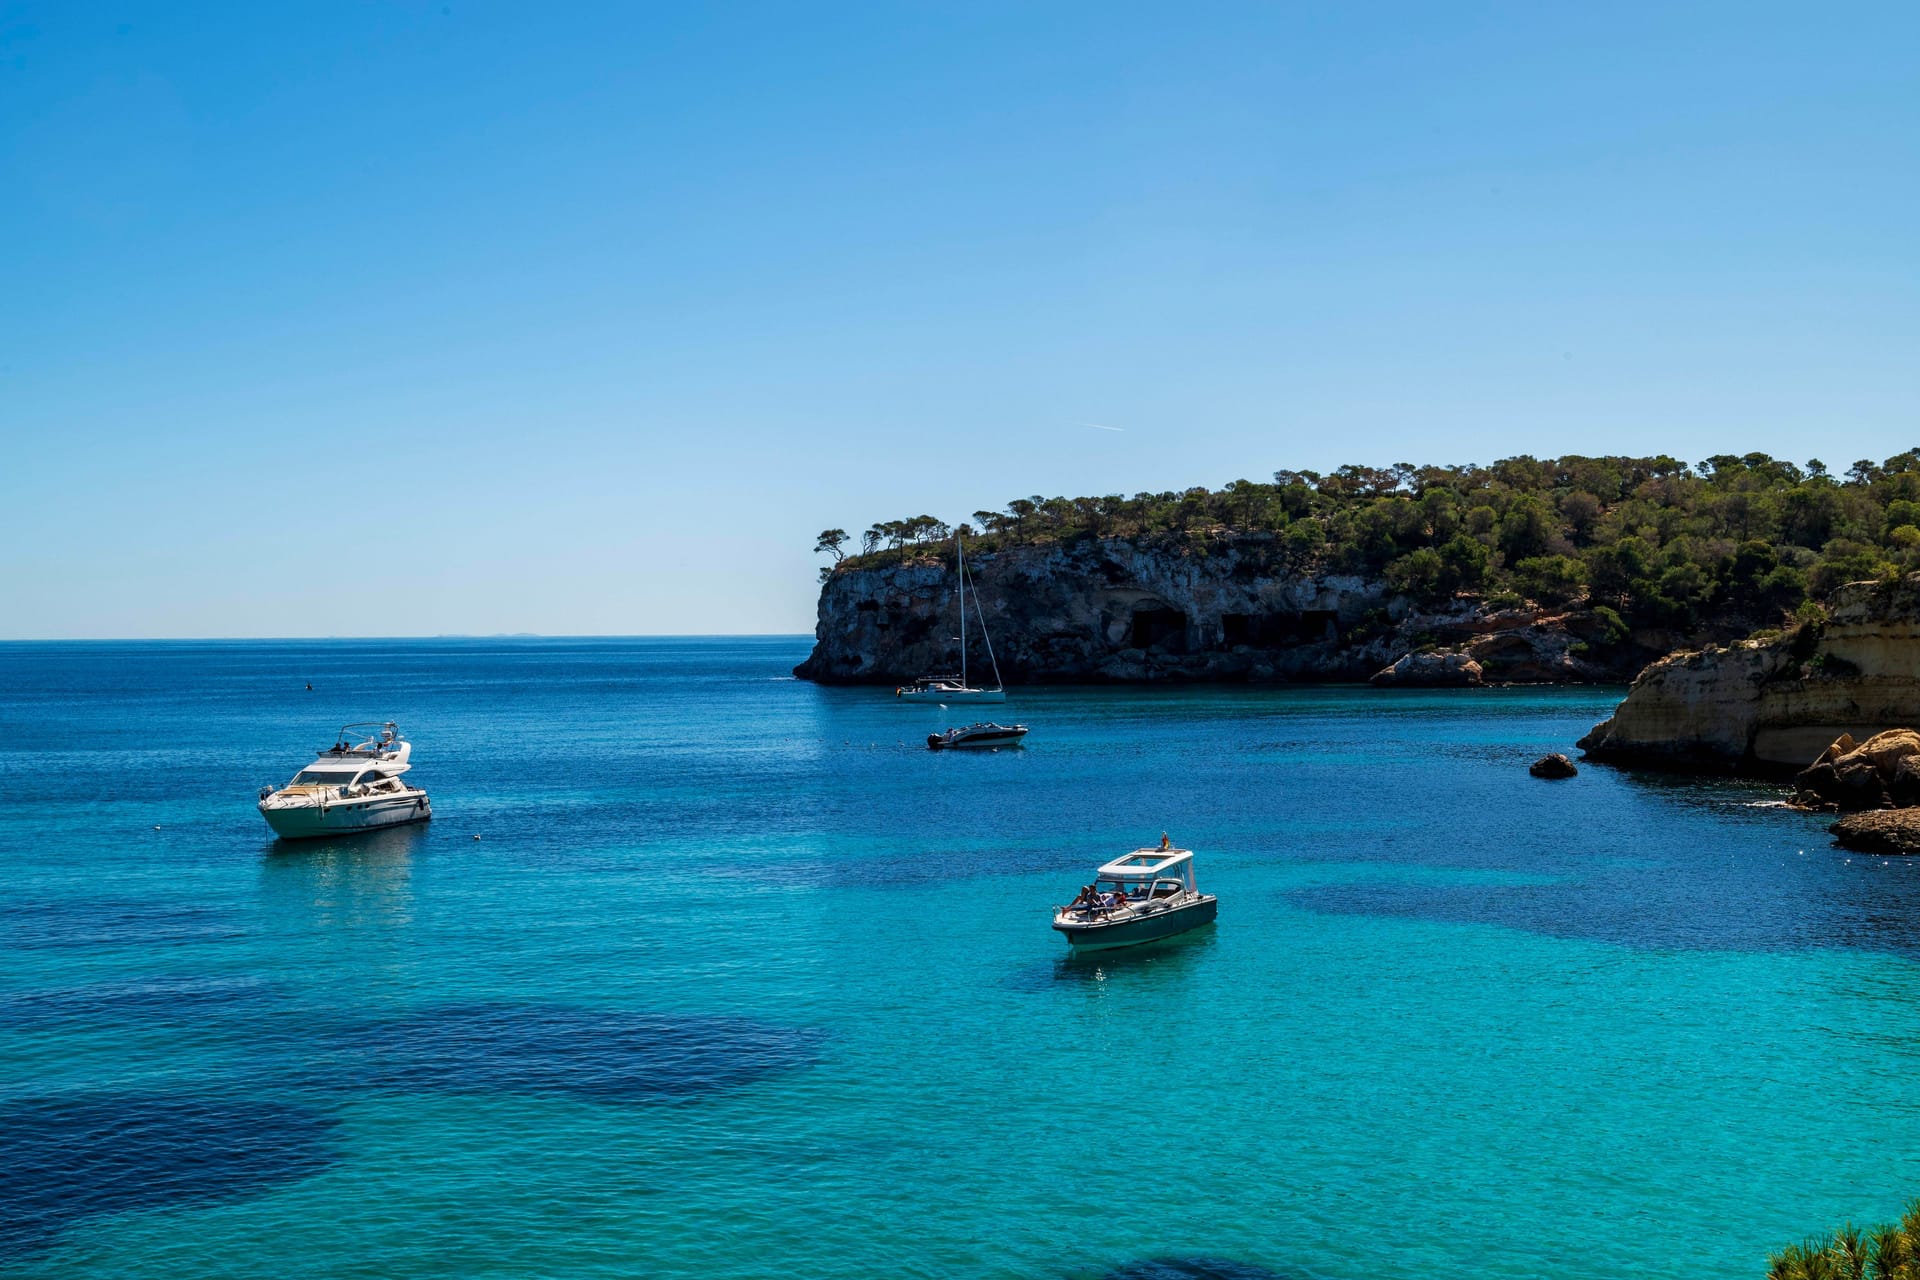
x: 1085, y: 898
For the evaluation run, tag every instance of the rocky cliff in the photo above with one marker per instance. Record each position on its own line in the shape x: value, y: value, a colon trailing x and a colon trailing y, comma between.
x: 1225, y: 608
x: 1776, y: 704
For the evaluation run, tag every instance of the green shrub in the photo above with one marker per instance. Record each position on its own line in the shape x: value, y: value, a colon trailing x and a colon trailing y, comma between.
x: 1890, y: 1251
x: 1551, y: 579
x: 1617, y: 629
x: 1306, y: 536
x: 1827, y: 664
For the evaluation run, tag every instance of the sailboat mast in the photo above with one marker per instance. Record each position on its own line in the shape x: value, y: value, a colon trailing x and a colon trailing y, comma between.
x: 960, y: 558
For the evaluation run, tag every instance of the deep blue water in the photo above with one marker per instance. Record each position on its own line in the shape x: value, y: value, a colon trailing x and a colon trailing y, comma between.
x: 740, y: 980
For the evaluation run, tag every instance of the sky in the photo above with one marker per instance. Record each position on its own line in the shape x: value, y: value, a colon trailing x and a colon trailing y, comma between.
x: 585, y: 319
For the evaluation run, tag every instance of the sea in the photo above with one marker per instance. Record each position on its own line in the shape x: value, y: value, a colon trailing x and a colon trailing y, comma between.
x: 700, y: 970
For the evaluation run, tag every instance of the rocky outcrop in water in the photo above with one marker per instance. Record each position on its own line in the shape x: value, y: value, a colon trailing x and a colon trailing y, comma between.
x: 1884, y: 770
x: 1886, y: 831
x: 1553, y: 767
x: 1221, y: 608
x: 1775, y: 704
x: 1434, y: 670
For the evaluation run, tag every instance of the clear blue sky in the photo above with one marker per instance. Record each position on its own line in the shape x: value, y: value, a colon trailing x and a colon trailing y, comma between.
x: 369, y: 319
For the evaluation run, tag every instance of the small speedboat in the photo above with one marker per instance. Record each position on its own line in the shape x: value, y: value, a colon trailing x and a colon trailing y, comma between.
x: 978, y: 735
x: 352, y: 786
x: 1147, y: 895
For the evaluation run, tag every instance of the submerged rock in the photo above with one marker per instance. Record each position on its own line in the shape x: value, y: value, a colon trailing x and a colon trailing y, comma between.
x: 1552, y: 766
x: 1770, y: 705
x: 1199, y: 1268
x: 1431, y: 670
x: 69, y: 1158
x: 608, y: 1055
x: 1890, y: 831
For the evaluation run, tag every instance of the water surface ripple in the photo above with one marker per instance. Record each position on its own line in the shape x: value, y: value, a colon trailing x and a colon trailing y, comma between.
x: 739, y: 980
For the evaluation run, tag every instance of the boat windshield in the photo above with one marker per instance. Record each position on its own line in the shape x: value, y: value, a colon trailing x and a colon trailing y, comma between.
x: 1132, y: 888
x: 323, y: 777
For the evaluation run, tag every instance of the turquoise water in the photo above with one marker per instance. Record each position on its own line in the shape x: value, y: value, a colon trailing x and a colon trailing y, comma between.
x: 740, y: 980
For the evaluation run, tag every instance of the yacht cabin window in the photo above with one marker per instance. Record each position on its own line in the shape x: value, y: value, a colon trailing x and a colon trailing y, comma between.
x: 323, y: 777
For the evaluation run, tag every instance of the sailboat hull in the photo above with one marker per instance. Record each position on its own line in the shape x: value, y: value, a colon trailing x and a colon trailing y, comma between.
x: 954, y: 695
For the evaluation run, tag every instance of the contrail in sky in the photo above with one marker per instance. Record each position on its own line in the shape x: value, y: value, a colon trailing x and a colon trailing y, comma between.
x: 1097, y: 427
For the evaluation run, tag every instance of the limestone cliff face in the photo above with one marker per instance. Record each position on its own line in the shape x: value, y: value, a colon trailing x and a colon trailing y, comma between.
x: 1224, y: 608
x: 1776, y: 705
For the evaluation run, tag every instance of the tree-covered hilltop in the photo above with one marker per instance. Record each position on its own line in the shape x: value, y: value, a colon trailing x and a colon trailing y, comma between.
x: 1661, y: 542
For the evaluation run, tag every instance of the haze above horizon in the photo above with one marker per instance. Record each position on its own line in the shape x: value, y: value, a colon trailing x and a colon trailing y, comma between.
x: 472, y: 319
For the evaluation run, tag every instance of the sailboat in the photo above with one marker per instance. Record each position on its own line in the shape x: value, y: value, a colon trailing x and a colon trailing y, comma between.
x: 956, y: 688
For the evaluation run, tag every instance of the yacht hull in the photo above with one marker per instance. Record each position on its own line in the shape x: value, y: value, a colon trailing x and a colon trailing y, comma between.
x: 1105, y: 935
x: 345, y: 817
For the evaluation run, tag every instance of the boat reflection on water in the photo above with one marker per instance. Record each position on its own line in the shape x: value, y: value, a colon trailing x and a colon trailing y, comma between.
x: 1150, y: 961
x: 364, y: 881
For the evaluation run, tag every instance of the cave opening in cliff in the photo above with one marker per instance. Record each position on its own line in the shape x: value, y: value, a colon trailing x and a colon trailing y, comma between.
x: 1306, y: 627
x: 1277, y: 630
x: 1164, y: 628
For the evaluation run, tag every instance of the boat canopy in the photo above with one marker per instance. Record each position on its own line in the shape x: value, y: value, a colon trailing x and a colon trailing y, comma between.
x: 382, y: 751
x: 348, y: 766
x: 1147, y: 864
x: 368, y: 736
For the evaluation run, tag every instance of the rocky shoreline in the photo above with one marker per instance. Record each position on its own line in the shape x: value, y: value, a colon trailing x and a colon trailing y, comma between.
x: 1807, y: 700
x: 1774, y: 704
x: 1236, y: 608
x: 1883, y: 831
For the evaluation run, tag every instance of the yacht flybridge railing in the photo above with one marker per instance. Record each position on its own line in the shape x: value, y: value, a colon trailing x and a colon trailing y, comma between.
x: 384, y: 733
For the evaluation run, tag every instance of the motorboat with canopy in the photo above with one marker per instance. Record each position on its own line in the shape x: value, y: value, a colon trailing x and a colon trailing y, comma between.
x: 978, y: 735
x: 352, y: 786
x: 1144, y: 896
x: 954, y: 688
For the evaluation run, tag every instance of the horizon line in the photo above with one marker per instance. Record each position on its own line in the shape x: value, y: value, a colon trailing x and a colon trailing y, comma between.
x: 440, y: 635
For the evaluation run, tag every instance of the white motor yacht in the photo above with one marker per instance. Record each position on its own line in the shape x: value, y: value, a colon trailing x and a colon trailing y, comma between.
x: 352, y: 786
